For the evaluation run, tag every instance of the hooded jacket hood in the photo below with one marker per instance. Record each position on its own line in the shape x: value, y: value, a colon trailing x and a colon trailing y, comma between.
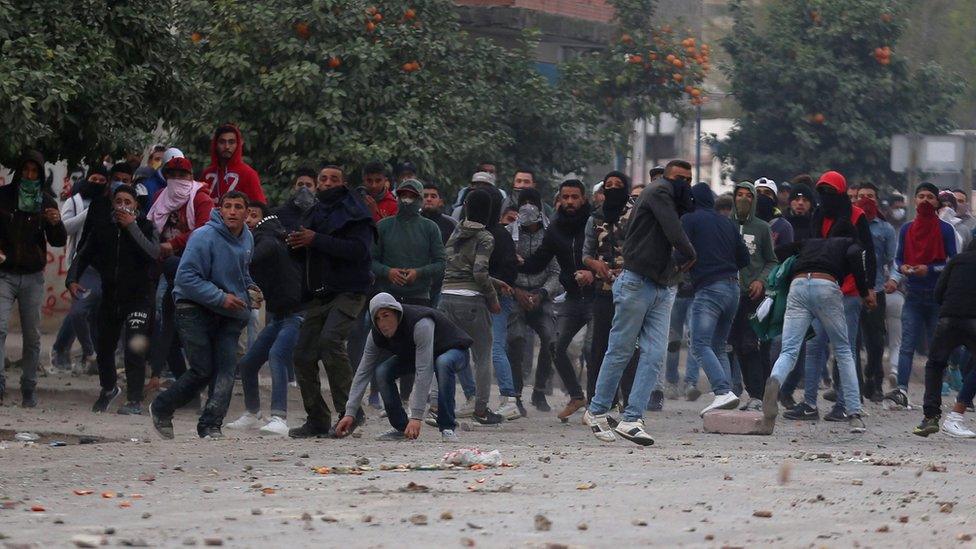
x: 752, y: 211
x: 383, y: 300
x: 704, y: 197
x: 236, y: 175
x: 217, y: 222
x: 835, y: 180
x: 235, y: 159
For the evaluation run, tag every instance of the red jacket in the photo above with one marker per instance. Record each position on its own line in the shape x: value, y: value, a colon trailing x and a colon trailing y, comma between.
x: 386, y: 206
x: 237, y: 176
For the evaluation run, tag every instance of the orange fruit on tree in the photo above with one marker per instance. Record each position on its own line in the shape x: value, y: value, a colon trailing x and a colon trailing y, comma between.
x: 335, y: 62
x: 678, y: 63
x: 818, y: 118
x: 677, y: 77
x: 887, y: 17
x: 635, y: 59
x: 695, y: 92
x: 378, y: 17
x: 196, y: 37
x: 302, y: 30
x: 626, y: 39
x: 409, y: 14
x: 370, y: 26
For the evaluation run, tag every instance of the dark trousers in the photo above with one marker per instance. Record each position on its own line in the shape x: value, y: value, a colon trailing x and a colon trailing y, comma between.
x: 166, y: 347
x: 949, y: 334
x: 603, y: 310
x: 323, y: 335
x: 540, y: 320
x: 572, y: 316
x: 873, y: 336
x: 745, y: 344
x: 132, y: 321
x: 211, y: 346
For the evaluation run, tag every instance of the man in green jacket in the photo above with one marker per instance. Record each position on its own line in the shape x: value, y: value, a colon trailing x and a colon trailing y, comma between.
x: 753, y: 358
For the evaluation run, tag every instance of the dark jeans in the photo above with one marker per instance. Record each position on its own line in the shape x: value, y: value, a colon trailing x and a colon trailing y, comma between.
x: 446, y: 367
x: 603, y: 310
x: 275, y: 345
x: 873, y: 335
x: 211, y: 346
x: 328, y: 321
x: 745, y: 344
x: 949, y: 334
x: 572, y: 316
x: 166, y: 347
x: 132, y: 321
x: 78, y: 322
x: 540, y: 320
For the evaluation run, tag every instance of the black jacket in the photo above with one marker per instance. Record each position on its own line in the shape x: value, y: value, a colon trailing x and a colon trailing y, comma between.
x: 956, y: 288
x: 838, y: 257
x: 338, y: 260
x: 655, y: 232
x: 862, y: 228
x: 445, y: 223
x: 124, y: 257
x: 274, y: 270
x: 563, y: 240
x: 447, y: 336
x: 24, y: 236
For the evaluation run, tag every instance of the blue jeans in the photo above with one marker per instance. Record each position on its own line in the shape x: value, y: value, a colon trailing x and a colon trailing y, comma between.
x: 816, y: 358
x: 810, y: 299
x: 499, y: 347
x: 210, y: 340
x: 643, y: 311
x: 276, y: 345
x: 919, y: 316
x: 712, y: 313
x: 446, y: 367
x: 78, y: 321
x: 676, y: 333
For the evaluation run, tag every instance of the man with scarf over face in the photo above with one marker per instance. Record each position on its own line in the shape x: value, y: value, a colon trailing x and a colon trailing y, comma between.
x: 603, y: 253
x: 333, y: 243
x: 643, y: 294
x: 836, y: 213
x: 302, y: 196
x: 924, y: 246
x: 29, y: 221
x: 564, y: 240
x: 873, y: 320
x: 74, y: 212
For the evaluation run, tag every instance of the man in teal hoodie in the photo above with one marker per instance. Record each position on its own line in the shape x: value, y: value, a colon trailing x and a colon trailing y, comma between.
x: 752, y: 357
x: 214, y: 294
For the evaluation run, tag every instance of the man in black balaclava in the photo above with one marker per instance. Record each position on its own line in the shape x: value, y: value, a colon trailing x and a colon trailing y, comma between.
x: 564, y: 241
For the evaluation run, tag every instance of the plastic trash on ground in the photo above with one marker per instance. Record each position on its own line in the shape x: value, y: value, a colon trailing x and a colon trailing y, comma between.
x: 467, y: 457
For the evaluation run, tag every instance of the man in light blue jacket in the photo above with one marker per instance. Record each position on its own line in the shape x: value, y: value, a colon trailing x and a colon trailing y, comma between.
x: 213, y: 293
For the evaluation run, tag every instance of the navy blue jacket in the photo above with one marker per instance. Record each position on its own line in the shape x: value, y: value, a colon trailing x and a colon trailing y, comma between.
x: 721, y: 250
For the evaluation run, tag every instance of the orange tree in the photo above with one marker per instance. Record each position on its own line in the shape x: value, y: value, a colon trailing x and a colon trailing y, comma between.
x: 351, y: 81
x: 822, y: 86
x: 646, y: 70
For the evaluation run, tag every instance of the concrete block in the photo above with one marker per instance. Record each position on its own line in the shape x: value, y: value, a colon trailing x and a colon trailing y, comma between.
x: 734, y: 422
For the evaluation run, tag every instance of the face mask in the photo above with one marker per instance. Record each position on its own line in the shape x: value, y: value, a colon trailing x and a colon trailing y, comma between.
x: 834, y: 204
x: 303, y: 198
x: 898, y: 214
x: 683, y: 200
x: 765, y: 208
x: 615, y: 199
x: 743, y: 207
x: 407, y: 206
x: 29, y: 195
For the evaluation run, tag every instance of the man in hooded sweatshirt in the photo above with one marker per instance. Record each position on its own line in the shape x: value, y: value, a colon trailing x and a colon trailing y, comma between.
x: 29, y: 221
x: 835, y: 214
x: 925, y: 244
x: 753, y: 358
x: 564, y: 240
x: 802, y: 203
x: 302, y: 196
x: 424, y: 343
x: 213, y: 292
x: 768, y: 211
x: 227, y: 172
x: 333, y: 244
x: 715, y: 279
x: 643, y: 294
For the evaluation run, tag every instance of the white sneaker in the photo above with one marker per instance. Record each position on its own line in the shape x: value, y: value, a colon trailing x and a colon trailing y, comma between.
x: 246, y: 421
x: 466, y: 409
x: 448, y: 435
x: 598, y: 424
x: 953, y: 426
x: 277, y: 426
x: 508, y: 409
x: 728, y: 401
x: 634, y: 432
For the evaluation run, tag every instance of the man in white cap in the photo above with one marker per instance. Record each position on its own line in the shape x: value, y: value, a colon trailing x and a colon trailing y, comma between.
x: 767, y: 209
x: 157, y: 182
x: 479, y: 179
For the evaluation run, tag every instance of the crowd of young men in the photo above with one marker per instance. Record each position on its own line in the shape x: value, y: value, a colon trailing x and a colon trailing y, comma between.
x: 400, y: 302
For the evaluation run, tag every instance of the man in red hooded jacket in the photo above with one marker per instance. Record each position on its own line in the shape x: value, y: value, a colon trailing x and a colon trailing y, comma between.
x: 227, y: 172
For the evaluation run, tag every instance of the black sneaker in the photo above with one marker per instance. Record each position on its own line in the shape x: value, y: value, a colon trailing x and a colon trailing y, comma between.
x: 837, y: 414
x: 802, y: 412
x: 131, y: 408
x: 29, y: 398
x: 210, y: 432
x: 787, y: 401
x: 488, y: 418
x: 929, y: 426
x: 308, y: 430
x: 105, y: 399
x: 540, y: 403
x: 830, y: 395
x: 656, y: 403
x: 521, y: 407
x: 163, y: 426
x: 856, y: 423
x: 896, y: 400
